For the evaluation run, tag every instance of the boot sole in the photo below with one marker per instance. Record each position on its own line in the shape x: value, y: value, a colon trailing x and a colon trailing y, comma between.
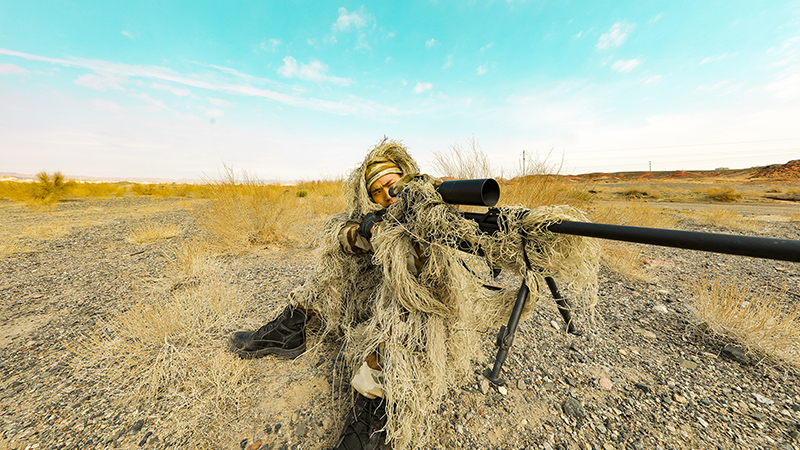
x: 282, y: 352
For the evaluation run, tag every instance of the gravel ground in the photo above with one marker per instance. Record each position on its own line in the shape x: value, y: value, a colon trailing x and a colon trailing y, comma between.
x: 642, y: 376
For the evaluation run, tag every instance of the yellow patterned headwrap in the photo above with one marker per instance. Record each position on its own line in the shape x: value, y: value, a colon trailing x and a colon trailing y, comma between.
x: 378, y: 168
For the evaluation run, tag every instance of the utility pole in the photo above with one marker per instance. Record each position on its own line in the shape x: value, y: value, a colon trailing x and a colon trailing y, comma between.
x: 650, y: 166
x: 523, y: 163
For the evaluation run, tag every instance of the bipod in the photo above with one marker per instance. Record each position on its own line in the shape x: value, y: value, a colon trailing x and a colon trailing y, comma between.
x: 505, y: 337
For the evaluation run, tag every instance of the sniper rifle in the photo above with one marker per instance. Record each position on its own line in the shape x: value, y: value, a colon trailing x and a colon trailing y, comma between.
x: 486, y: 192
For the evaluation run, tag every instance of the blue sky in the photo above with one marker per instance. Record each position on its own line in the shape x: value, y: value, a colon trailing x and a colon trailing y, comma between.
x: 300, y: 90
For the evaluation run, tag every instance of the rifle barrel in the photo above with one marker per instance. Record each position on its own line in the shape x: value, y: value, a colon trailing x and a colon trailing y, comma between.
x: 758, y: 247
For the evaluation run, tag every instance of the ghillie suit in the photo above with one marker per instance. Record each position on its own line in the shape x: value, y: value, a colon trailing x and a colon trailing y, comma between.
x: 429, y: 317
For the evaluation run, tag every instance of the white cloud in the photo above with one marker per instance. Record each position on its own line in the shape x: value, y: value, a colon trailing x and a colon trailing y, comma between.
x: 422, y: 87
x: 709, y: 59
x: 180, y: 92
x: 313, y: 71
x: 578, y: 36
x: 430, y: 42
x: 625, y: 65
x: 448, y: 62
x: 13, y: 69
x: 158, y: 104
x: 656, y: 18
x: 218, y: 101
x: 350, y: 105
x: 356, y: 19
x: 786, y: 87
x: 270, y: 45
x: 101, y: 83
x: 651, y: 81
x: 128, y: 34
x: 487, y: 46
x: 616, y: 36
x: 483, y: 69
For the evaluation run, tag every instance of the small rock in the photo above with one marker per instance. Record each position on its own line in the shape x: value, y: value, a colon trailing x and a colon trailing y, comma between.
x: 688, y: 364
x: 255, y: 445
x: 660, y: 309
x: 764, y: 400
x: 679, y: 398
x: 643, y: 388
x: 702, y: 422
x: 502, y: 390
x: 136, y: 427
x: 573, y: 408
x: 605, y: 384
x: 484, y: 386
x: 736, y: 354
x: 521, y: 384
x: 644, y: 333
x: 555, y: 325
x: 459, y: 429
x: 572, y: 381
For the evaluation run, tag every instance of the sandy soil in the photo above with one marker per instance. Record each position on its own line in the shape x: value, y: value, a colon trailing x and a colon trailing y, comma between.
x: 643, y: 375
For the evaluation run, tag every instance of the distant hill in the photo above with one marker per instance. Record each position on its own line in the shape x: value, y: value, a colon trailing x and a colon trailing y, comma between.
x: 790, y: 170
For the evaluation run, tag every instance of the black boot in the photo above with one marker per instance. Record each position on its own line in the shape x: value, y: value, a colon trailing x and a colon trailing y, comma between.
x: 363, y: 428
x: 283, y: 336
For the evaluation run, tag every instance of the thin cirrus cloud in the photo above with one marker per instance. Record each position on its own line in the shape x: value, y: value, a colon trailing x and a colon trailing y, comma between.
x: 313, y: 71
x: 211, y: 82
x: 13, y: 69
x: 616, y: 36
x: 625, y: 65
x: 349, y: 20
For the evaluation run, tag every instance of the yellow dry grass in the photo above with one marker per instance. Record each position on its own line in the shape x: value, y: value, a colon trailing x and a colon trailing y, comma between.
x: 242, y: 213
x: 168, y: 347
x: 9, y: 246
x: 759, y: 319
x: 149, y: 231
x: 724, y: 218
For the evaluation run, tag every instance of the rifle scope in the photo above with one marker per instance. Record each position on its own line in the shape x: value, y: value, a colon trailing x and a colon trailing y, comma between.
x: 477, y: 192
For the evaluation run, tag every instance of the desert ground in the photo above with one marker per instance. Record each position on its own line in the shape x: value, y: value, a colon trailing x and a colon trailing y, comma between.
x: 80, y: 283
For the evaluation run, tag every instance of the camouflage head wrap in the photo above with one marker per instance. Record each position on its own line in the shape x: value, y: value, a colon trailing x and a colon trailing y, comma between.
x: 379, y: 167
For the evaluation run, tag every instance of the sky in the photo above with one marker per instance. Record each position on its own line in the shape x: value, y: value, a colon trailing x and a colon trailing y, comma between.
x: 300, y: 90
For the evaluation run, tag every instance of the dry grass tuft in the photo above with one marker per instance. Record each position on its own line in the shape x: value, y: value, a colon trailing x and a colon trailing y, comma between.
x: 463, y: 162
x: 761, y: 320
x: 723, y: 194
x: 148, y: 232
x: 167, y: 348
x: 626, y: 260
x: 247, y: 213
x: 724, y: 218
x: 637, y: 192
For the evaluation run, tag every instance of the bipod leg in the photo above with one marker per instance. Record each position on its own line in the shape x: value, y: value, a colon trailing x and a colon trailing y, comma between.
x: 563, y: 307
x: 505, y: 337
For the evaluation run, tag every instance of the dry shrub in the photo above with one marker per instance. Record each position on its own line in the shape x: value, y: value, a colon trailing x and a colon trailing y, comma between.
x: 626, y: 260
x: 724, y: 218
x: 96, y: 190
x: 759, y: 319
x: 723, y: 194
x: 166, y: 349
x: 794, y: 217
x: 638, y: 192
x: 463, y: 162
x: 247, y: 213
x: 541, y: 184
x: 148, y: 231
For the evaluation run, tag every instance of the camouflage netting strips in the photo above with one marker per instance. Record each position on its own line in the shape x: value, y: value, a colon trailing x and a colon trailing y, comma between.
x: 430, y: 320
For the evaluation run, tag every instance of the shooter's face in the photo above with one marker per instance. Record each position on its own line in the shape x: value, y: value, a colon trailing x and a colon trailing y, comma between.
x: 379, y: 191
